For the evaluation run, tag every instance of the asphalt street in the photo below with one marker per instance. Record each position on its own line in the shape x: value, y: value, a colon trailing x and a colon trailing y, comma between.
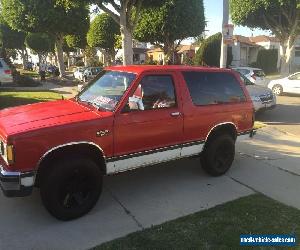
x: 286, y: 115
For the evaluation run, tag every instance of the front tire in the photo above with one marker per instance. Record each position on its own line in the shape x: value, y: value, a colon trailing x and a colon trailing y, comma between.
x: 71, y: 188
x: 218, y: 155
x: 277, y: 89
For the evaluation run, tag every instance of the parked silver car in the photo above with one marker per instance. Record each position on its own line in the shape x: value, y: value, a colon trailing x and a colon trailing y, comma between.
x: 255, y: 75
x: 5, y: 72
x: 262, y: 97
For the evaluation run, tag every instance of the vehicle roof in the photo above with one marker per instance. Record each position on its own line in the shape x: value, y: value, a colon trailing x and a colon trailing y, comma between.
x: 249, y: 68
x: 143, y: 68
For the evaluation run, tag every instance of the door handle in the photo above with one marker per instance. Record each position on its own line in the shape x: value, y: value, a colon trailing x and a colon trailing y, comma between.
x: 174, y: 114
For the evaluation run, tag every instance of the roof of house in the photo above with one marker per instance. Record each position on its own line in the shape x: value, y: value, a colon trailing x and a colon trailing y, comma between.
x: 139, y: 50
x: 263, y: 38
x: 186, y: 48
x: 244, y: 40
x: 154, y: 50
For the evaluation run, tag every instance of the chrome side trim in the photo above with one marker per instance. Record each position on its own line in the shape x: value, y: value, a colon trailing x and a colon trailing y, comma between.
x: 70, y: 144
x: 220, y: 124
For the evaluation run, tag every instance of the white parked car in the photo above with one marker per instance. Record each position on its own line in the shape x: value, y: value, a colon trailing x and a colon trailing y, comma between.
x: 290, y: 84
x: 262, y: 97
x: 79, y: 73
x: 5, y: 72
x: 255, y: 75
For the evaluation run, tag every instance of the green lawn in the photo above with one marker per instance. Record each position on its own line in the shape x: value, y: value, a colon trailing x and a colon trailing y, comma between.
x: 216, y: 228
x: 33, y: 73
x: 16, y: 98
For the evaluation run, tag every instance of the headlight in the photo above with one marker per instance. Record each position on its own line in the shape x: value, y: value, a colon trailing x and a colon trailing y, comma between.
x: 255, y: 99
x: 7, y: 152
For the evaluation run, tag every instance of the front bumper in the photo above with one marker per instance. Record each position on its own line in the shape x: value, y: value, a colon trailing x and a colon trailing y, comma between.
x: 16, y: 184
x: 259, y: 106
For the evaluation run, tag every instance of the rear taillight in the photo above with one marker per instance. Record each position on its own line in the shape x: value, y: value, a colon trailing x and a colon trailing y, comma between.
x: 7, y: 72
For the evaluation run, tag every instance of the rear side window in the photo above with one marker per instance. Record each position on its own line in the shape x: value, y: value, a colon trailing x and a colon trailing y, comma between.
x: 208, y: 88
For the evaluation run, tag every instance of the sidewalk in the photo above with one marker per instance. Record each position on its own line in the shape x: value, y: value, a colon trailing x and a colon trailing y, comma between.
x: 139, y: 199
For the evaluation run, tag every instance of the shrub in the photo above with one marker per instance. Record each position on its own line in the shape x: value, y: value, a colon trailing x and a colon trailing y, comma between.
x: 267, y: 60
x: 150, y: 61
x: 79, y: 63
x: 24, y: 81
x: 210, y: 51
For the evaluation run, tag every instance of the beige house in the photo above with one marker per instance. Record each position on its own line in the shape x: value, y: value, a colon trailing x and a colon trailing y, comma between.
x: 245, y: 49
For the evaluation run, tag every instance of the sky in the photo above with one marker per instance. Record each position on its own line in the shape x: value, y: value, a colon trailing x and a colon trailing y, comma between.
x: 214, y: 14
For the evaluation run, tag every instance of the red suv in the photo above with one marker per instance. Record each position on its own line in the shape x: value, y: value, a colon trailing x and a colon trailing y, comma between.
x: 126, y: 118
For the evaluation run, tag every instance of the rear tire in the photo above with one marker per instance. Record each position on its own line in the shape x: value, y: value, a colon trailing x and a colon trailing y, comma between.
x: 71, y: 188
x: 277, y: 89
x: 218, y: 155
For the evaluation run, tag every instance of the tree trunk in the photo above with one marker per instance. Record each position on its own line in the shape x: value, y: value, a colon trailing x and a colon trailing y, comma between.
x: 24, y: 58
x: 60, y: 55
x: 286, y: 56
x: 126, y: 34
x: 168, y: 53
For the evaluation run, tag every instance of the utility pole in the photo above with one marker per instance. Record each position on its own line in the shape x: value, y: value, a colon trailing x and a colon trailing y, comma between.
x: 223, y: 57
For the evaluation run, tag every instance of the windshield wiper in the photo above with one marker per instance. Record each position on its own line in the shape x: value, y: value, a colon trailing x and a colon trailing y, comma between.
x: 89, y: 103
x: 95, y: 105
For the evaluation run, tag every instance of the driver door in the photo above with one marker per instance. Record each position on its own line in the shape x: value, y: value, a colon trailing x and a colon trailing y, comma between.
x: 152, y: 134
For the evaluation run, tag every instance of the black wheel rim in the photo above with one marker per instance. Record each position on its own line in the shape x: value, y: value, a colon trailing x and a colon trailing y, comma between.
x: 76, y: 190
x: 223, y: 156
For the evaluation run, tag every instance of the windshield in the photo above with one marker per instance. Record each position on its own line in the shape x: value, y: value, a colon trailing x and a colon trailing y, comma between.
x: 106, y: 90
x: 259, y: 73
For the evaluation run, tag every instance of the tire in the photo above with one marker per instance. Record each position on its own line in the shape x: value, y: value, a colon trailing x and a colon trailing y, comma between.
x: 218, y: 155
x: 277, y: 89
x: 71, y: 188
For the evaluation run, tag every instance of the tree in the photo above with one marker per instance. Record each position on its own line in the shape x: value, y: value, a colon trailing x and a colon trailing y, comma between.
x: 12, y: 40
x: 49, y: 17
x: 40, y: 43
x: 279, y: 16
x: 126, y: 13
x: 76, y: 41
x: 174, y: 21
x: 103, y: 33
x: 209, y: 52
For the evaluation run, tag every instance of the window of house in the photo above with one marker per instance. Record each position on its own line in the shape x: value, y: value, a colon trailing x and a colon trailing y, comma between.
x: 208, y: 88
x: 153, y: 92
x: 297, y: 52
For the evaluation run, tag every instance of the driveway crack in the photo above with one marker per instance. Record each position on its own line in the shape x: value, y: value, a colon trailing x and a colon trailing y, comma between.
x: 126, y: 210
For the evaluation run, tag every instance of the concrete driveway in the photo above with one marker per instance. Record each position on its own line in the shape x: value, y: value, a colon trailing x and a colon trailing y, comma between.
x: 138, y: 199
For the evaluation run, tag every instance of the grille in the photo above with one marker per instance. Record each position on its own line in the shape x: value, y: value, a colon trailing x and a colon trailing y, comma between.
x: 266, y: 98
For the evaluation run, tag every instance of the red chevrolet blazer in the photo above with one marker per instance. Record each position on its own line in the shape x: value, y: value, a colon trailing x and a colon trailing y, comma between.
x: 126, y: 118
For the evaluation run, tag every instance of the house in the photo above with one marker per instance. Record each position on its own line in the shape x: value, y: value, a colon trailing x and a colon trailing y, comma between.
x: 139, y: 55
x: 244, y: 51
x: 187, y: 52
x: 156, y: 54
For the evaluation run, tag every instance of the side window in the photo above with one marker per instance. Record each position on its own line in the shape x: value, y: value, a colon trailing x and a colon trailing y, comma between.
x: 1, y: 66
x: 153, y: 92
x: 208, y: 88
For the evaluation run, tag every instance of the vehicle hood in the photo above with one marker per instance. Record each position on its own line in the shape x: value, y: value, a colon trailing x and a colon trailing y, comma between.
x: 46, y: 114
x: 255, y: 90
